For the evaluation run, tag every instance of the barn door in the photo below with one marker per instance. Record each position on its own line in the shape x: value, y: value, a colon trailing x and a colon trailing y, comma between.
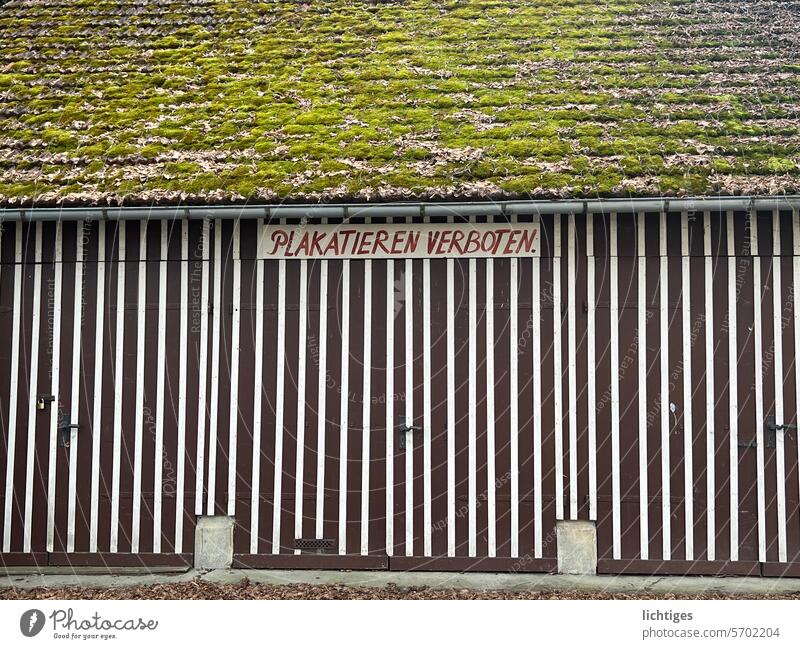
x: 41, y: 395
x: 467, y: 494
x: 704, y: 461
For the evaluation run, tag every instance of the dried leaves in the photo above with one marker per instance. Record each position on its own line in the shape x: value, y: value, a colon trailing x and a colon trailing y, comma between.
x: 248, y: 590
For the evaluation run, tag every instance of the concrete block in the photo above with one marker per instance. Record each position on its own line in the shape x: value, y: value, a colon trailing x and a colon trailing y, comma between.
x: 577, y: 547
x: 213, y: 542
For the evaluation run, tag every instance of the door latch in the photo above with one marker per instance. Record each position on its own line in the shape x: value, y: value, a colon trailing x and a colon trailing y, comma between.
x: 44, y: 400
x: 64, y: 428
x: 773, y: 428
x: 404, y: 429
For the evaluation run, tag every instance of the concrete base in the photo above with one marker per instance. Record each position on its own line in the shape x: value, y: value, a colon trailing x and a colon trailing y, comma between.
x: 213, y: 543
x: 577, y: 547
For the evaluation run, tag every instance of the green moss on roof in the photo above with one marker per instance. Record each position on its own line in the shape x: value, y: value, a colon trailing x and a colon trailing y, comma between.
x: 214, y: 100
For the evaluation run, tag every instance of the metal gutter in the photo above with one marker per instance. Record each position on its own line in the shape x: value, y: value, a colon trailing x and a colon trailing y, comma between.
x: 397, y: 210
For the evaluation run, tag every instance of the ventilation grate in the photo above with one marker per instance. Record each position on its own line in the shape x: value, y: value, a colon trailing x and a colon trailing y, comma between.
x: 317, y: 545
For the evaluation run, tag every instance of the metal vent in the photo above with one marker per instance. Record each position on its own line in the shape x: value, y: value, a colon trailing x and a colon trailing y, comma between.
x: 316, y: 545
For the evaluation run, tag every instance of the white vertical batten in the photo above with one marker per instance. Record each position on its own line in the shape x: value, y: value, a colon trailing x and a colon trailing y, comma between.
x: 300, y: 429
x: 409, y: 401
x: 472, y: 503
x: 366, y: 402
x: 75, y: 387
x: 759, y: 388
x: 202, y: 380
x: 280, y: 370
x: 513, y: 418
x: 34, y: 376
x: 733, y: 386
x: 141, y: 288
x: 13, y: 389
x: 344, y: 402
x: 55, y: 376
x: 666, y: 492
x: 490, y: 441
x: 426, y: 409
x: 796, y: 312
x: 158, y: 453
x: 688, y: 477
x: 572, y: 415
x: 591, y: 297
x: 258, y: 375
x: 182, y: 355
x: 536, y: 334
x: 322, y: 386
x: 233, y: 410
x: 97, y: 383
x: 613, y: 313
x: 686, y: 304
x: 558, y: 410
x: 451, y: 407
x: 710, y: 400
x: 641, y: 346
x: 213, y: 417
x: 389, y: 400
x: 119, y: 357
x: 777, y: 329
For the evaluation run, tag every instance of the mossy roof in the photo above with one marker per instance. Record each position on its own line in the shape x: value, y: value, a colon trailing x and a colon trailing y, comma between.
x: 141, y: 101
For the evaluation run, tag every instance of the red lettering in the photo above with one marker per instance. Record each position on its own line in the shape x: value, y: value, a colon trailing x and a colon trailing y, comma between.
x: 526, y: 243
x: 315, y: 243
x: 411, y: 242
x: 500, y: 233
x: 445, y: 240
x: 397, y: 242
x: 458, y: 236
x: 366, y: 241
x: 433, y: 238
x: 279, y: 239
x: 509, y: 249
x: 380, y: 237
x: 472, y: 242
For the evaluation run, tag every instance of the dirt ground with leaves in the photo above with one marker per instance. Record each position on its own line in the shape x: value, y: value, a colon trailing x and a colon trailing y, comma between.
x: 248, y: 590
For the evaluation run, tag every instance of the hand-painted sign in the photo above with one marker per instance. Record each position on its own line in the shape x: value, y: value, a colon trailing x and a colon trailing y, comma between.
x: 399, y: 240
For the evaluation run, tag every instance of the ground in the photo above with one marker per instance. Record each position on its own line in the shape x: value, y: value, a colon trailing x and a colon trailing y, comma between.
x: 108, y: 101
x: 246, y: 590
x: 139, y: 583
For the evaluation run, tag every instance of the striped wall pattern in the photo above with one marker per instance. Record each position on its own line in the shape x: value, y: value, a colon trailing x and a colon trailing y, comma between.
x: 625, y: 376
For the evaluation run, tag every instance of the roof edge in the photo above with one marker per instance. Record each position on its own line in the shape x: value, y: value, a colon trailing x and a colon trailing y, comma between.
x: 406, y: 209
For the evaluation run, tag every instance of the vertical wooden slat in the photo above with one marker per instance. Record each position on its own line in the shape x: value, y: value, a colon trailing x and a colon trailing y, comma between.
x: 615, y: 460
x: 558, y: 375
x: 777, y: 337
x: 688, y: 473
x: 55, y: 375
x: 591, y: 364
x: 759, y: 386
x: 536, y: 317
x: 13, y: 390
x: 75, y: 378
x: 733, y: 401
x: 344, y: 422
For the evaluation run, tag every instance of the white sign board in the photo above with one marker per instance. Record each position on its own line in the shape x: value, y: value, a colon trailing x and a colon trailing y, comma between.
x: 399, y: 240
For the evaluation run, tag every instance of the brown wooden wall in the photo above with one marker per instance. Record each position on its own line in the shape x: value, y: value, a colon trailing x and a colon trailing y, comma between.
x: 624, y: 375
